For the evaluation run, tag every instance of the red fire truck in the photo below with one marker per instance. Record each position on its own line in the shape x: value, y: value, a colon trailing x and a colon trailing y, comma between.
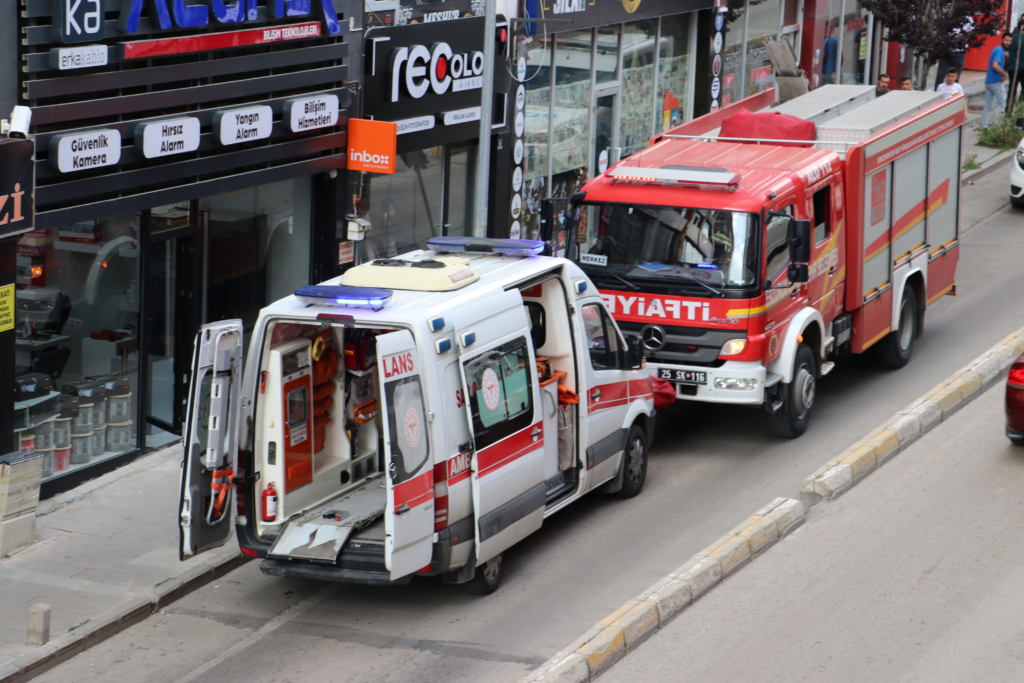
x: 746, y: 263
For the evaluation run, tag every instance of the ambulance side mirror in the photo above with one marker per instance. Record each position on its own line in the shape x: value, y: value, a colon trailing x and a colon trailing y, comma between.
x: 634, y: 352
x: 799, y: 234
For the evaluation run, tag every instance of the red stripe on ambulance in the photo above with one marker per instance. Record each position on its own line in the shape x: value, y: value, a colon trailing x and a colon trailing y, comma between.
x: 496, y: 456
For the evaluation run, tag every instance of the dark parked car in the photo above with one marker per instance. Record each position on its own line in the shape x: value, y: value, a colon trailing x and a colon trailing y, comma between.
x: 1015, y: 402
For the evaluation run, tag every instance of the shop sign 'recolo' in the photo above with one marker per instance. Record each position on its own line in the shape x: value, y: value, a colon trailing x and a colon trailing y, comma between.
x: 436, y: 68
x: 179, y: 14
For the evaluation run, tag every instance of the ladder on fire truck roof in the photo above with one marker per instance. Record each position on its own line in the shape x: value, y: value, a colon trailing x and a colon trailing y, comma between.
x: 844, y: 115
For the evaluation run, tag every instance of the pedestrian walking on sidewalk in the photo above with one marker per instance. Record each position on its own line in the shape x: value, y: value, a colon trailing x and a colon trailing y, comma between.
x: 994, y: 79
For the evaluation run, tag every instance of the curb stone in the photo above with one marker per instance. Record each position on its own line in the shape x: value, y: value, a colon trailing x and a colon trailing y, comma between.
x: 129, y: 613
x: 614, y: 636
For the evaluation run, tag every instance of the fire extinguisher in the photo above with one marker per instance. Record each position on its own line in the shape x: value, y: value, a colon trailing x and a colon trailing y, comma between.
x: 269, y: 503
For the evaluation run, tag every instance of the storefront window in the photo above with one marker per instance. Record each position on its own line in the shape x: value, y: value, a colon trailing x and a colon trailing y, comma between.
x: 732, y: 61
x: 830, y: 54
x: 763, y: 24
x: 405, y: 208
x: 461, y: 189
x: 258, y: 248
x: 535, y: 136
x: 570, y: 137
x: 606, y: 63
x: 76, y: 352
x: 855, y: 44
x: 637, y: 117
x: 673, y: 71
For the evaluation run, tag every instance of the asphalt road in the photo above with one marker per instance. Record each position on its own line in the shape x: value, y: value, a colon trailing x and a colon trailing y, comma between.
x: 914, y: 575
x: 710, y: 468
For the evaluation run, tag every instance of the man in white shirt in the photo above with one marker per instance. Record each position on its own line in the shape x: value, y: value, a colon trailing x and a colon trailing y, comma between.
x: 950, y: 87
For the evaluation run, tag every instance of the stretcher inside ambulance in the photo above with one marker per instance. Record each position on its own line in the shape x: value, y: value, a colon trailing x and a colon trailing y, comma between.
x: 418, y: 414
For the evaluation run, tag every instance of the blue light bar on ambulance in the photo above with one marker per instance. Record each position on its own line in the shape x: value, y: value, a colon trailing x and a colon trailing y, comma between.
x: 676, y: 175
x: 358, y: 297
x: 485, y: 245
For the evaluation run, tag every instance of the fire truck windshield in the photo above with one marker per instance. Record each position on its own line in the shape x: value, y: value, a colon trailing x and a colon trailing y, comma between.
x: 664, y: 243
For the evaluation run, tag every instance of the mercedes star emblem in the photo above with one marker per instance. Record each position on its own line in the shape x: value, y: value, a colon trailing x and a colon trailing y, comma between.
x: 653, y: 337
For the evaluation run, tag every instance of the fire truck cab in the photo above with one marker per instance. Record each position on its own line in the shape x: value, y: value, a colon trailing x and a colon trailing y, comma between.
x: 417, y: 415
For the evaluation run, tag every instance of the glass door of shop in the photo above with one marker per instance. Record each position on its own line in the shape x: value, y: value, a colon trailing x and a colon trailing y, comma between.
x: 606, y: 133
x: 459, y: 189
x: 170, y: 316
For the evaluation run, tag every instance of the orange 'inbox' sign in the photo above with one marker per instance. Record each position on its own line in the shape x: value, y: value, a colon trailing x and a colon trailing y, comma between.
x: 372, y: 145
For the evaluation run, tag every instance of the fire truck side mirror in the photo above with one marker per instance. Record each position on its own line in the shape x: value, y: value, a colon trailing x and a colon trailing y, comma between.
x: 798, y: 272
x: 799, y: 241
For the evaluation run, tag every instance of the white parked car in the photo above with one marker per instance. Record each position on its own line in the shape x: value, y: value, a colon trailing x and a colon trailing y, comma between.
x: 1017, y: 173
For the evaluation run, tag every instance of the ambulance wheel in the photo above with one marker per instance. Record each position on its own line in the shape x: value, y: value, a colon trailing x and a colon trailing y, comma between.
x: 791, y: 420
x: 895, y: 349
x: 634, y: 459
x: 487, y: 577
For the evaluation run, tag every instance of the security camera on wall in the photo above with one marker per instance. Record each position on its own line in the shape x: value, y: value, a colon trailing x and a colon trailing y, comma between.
x: 17, y: 127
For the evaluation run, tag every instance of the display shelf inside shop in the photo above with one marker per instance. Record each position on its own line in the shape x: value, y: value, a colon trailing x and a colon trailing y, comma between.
x: 28, y: 403
x: 86, y: 247
x: 95, y: 459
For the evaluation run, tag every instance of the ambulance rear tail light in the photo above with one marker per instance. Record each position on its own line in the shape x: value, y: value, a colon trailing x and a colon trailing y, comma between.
x: 484, y: 245
x: 356, y: 297
x: 687, y: 176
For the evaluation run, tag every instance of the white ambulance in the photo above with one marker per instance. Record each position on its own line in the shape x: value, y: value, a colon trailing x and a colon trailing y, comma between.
x: 417, y: 415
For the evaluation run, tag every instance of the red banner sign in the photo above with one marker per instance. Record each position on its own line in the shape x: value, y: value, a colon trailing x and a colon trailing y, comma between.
x: 144, y: 49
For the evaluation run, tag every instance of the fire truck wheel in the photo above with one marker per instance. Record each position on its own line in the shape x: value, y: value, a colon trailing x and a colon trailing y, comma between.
x: 635, y: 461
x: 487, y: 577
x: 797, y: 397
x: 895, y: 349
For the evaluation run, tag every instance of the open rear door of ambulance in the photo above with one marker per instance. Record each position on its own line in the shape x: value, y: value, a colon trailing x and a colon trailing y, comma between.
x: 508, y: 440
x: 409, y: 472
x: 211, y: 438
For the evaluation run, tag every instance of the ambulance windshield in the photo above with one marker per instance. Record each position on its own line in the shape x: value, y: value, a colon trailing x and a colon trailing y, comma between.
x: 643, y: 242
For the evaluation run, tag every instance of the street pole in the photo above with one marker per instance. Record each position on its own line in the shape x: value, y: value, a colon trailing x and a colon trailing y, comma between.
x: 483, y: 158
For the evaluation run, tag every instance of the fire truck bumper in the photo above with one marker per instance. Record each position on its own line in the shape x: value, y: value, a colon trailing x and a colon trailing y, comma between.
x: 739, y: 383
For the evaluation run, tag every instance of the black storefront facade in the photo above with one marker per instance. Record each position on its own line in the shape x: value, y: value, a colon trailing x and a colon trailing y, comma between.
x: 189, y: 168
x: 428, y: 78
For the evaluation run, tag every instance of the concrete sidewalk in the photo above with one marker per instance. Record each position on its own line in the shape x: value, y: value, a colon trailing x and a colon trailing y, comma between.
x: 105, y: 557
x: 988, y: 158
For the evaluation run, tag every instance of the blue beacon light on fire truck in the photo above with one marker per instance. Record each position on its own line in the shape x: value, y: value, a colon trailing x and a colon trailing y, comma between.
x: 356, y: 297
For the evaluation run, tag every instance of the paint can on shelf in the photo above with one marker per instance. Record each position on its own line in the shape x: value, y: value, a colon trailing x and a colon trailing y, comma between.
x: 119, y: 406
x: 61, y: 459
x: 83, y: 421
x: 99, y: 441
x: 28, y: 442
x: 81, y: 448
x: 62, y: 431
x: 119, y: 436
x: 47, y: 460
x: 44, y: 434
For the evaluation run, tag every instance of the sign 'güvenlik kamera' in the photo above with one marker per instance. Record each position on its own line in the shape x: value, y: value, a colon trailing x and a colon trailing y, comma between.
x: 17, y: 183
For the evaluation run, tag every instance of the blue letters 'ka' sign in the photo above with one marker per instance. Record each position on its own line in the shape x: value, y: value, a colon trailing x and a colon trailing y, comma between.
x: 77, y: 21
x: 168, y: 14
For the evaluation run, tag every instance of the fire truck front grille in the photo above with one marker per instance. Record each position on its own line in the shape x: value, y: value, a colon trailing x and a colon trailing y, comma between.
x: 688, y: 345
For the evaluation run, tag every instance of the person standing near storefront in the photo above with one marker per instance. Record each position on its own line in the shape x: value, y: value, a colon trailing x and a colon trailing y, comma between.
x: 882, y: 87
x: 994, y: 79
x: 1015, y: 65
x: 950, y: 87
x: 830, y: 52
